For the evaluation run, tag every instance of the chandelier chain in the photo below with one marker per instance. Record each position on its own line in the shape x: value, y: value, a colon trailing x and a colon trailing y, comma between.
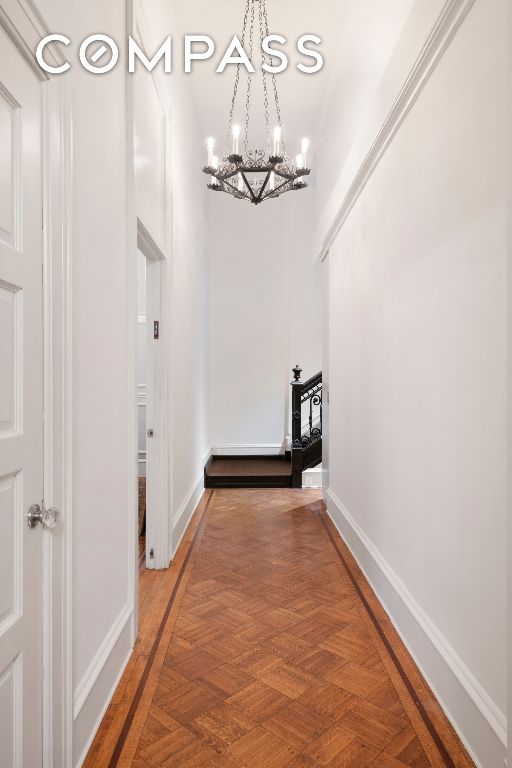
x: 249, y: 81
x: 264, y: 76
x: 237, y: 78
x: 274, y: 81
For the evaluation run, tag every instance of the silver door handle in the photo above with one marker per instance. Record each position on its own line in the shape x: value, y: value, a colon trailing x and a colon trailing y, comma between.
x: 37, y: 514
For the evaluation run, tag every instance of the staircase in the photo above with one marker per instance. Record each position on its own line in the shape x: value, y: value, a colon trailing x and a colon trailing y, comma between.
x: 284, y: 471
x: 306, y: 424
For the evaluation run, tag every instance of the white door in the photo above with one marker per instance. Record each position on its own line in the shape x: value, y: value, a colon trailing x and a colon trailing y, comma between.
x: 21, y: 409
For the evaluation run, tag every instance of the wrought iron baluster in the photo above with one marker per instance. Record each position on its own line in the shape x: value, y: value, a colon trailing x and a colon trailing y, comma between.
x: 306, y: 448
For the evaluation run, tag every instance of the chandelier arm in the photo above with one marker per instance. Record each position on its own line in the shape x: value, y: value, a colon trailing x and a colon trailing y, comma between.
x: 287, y: 176
x: 262, y: 189
x: 284, y: 184
x: 249, y: 80
x: 253, y: 196
x: 237, y: 80
x: 233, y: 191
x: 230, y: 186
x: 228, y: 175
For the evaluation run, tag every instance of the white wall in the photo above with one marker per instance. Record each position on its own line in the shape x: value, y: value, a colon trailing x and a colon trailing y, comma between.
x: 265, y: 316
x: 417, y: 369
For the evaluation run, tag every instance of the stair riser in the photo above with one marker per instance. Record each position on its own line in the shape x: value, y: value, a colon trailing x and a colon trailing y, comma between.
x: 248, y: 482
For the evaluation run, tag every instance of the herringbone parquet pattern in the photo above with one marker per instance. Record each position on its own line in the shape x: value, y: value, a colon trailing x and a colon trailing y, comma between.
x: 270, y: 658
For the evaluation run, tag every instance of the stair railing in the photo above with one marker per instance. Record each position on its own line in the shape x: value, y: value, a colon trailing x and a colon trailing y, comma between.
x: 306, y: 446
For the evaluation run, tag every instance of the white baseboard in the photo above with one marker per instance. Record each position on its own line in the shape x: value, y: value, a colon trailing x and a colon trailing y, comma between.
x: 248, y: 449
x: 312, y: 478
x: 480, y: 724
x: 98, y: 685
x: 187, y: 508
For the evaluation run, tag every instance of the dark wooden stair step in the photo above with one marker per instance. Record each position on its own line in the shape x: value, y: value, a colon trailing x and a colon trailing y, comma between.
x: 248, y: 472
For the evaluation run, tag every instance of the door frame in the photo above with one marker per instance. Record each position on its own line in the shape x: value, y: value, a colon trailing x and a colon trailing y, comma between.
x: 58, y: 685
x: 157, y: 453
x: 24, y: 23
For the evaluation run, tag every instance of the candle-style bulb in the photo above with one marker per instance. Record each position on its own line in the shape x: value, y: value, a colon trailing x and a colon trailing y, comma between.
x: 304, y: 148
x: 272, y: 181
x: 299, y: 162
x: 278, y: 134
x: 210, y: 146
x: 235, y: 132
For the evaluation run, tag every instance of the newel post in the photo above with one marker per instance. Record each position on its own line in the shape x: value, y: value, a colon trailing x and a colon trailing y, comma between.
x: 296, y: 428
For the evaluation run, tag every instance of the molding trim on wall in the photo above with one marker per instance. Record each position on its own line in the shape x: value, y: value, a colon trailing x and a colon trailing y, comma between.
x: 248, y: 449
x: 101, y: 658
x: 448, y: 22
x: 147, y: 245
x: 18, y: 37
x: 477, y: 719
x: 25, y: 25
x: 93, y: 710
x: 187, y: 508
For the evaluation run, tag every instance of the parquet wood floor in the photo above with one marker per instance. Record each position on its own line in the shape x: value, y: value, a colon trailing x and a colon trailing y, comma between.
x: 263, y: 646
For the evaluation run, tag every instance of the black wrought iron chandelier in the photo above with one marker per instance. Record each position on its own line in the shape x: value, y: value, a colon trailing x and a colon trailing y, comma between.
x: 253, y: 174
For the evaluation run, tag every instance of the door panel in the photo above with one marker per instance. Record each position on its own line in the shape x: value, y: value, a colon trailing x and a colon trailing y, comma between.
x: 21, y: 408
x: 9, y: 166
x: 10, y: 331
x: 10, y: 703
x: 11, y: 519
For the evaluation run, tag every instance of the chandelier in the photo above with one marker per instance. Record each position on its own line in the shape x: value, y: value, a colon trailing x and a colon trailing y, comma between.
x: 253, y: 174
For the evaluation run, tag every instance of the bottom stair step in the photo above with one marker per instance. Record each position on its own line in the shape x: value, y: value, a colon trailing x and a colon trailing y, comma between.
x: 248, y: 472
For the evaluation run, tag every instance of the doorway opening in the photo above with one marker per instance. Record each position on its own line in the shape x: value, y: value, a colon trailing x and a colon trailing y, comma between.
x: 141, y: 403
x: 153, y: 459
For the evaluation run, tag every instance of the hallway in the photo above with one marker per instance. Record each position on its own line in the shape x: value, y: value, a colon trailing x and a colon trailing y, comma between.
x: 264, y: 646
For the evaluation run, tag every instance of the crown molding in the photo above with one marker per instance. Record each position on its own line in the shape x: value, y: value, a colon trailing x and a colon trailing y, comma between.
x: 447, y: 23
x: 24, y: 24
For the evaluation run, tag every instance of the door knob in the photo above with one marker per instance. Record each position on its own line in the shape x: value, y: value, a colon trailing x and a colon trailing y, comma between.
x: 150, y: 433
x: 37, y: 514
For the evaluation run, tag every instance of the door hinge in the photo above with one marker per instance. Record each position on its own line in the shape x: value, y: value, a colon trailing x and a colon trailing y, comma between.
x: 151, y: 554
x: 156, y: 329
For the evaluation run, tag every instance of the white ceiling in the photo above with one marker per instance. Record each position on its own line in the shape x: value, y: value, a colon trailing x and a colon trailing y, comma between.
x: 358, y: 37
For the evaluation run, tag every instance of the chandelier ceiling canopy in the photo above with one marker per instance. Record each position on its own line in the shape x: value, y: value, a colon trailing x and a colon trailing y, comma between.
x: 250, y: 174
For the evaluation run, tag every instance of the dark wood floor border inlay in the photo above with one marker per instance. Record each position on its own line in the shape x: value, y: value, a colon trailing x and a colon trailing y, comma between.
x: 154, y: 648
x: 401, y: 671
